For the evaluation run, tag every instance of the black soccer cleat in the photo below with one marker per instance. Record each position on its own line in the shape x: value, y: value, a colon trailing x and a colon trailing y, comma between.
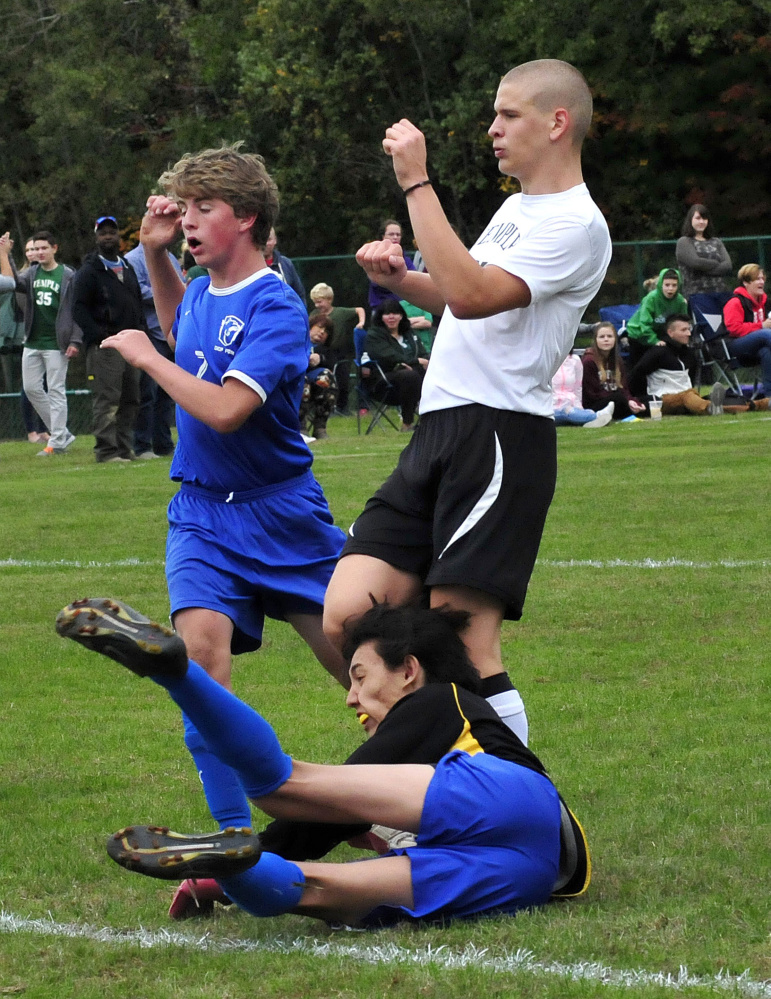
x: 121, y: 633
x: 158, y: 852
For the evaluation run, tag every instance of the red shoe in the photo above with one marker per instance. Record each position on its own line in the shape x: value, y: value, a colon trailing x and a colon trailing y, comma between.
x: 196, y: 897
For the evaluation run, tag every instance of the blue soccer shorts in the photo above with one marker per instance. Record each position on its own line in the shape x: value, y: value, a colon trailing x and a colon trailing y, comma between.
x: 489, y: 841
x: 269, y: 551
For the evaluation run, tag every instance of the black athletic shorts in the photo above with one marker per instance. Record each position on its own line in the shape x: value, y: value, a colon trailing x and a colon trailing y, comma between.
x: 467, y: 502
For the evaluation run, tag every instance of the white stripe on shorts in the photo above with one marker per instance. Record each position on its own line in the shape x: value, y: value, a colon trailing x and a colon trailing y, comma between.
x: 485, y: 501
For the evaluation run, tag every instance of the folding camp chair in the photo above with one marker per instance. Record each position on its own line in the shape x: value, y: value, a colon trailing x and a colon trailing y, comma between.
x: 710, y: 340
x: 374, y: 392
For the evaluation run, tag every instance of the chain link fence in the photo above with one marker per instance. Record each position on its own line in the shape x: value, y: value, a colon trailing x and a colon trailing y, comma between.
x: 632, y: 263
x: 12, y: 425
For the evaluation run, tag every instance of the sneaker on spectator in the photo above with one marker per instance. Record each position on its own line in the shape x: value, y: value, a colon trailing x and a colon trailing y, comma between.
x: 603, y: 417
x: 147, y: 455
x: 63, y: 450
x: 716, y: 399
x: 47, y: 450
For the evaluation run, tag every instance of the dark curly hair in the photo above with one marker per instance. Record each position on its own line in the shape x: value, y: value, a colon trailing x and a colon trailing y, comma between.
x: 688, y: 229
x: 432, y: 635
x: 391, y: 305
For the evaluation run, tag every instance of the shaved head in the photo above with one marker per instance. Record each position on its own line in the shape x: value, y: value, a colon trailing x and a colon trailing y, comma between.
x: 552, y: 84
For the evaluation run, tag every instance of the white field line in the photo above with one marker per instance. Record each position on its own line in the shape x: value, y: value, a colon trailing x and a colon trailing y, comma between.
x: 547, y: 563
x: 651, y: 563
x: 441, y: 956
x: 66, y: 563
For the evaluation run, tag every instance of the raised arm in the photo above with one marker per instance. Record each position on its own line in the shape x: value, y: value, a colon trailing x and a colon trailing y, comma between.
x: 469, y: 290
x: 686, y: 256
x: 7, y: 277
x: 725, y: 265
x: 160, y: 228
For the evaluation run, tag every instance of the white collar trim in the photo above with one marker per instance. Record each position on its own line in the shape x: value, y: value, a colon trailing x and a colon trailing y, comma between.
x: 241, y: 284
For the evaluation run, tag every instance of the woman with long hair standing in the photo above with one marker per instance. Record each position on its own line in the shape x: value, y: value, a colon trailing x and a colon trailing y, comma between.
x: 703, y: 260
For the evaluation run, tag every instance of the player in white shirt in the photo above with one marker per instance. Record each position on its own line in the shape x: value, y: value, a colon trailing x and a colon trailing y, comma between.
x: 463, y: 513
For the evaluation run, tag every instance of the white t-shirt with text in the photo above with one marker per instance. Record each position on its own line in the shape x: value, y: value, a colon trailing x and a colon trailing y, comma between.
x: 559, y: 245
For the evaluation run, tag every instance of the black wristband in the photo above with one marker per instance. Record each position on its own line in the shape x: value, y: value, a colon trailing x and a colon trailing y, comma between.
x: 409, y: 190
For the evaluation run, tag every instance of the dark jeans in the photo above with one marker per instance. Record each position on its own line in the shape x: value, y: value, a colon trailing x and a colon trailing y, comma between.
x: 754, y: 348
x: 115, y: 387
x: 342, y: 364
x: 152, y: 431
x: 408, y: 383
x: 637, y: 350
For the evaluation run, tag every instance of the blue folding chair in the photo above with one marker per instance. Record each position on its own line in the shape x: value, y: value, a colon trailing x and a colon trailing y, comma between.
x: 619, y: 315
x: 374, y: 392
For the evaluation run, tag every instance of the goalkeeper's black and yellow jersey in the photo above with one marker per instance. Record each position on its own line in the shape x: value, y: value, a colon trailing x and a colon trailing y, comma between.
x: 420, y: 728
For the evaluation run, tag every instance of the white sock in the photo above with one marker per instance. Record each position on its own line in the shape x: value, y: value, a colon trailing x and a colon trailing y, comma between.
x: 511, y: 711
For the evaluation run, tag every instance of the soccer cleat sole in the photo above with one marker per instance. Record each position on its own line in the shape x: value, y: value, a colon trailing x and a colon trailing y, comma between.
x: 119, y: 632
x: 157, y: 852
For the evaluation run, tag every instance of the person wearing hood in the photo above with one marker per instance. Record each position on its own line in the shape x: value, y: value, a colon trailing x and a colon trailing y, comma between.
x: 645, y: 327
x: 746, y: 317
x: 667, y: 371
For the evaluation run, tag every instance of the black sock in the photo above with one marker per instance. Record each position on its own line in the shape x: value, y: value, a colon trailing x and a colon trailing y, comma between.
x: 496, y: 684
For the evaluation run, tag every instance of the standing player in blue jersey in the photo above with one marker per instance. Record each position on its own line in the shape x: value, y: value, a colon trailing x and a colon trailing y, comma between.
x: 250, y: 532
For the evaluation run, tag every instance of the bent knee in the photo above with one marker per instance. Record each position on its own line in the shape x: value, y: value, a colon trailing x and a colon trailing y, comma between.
x: 333, y: 624
x: 207, y: 640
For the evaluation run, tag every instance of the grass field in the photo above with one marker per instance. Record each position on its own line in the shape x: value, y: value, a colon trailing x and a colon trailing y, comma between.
x: 639, y: 658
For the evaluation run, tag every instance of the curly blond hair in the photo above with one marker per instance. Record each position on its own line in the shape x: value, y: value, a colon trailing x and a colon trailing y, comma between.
x: 239, y: 179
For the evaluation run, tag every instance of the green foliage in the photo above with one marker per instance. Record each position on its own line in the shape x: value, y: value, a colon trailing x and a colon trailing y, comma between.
x: 98, y: 96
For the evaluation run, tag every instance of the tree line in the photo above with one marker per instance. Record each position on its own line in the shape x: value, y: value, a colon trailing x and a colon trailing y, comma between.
x: 98, y: 96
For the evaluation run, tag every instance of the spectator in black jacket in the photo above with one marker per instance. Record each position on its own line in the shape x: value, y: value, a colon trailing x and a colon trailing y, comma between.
x: 400, y: 353
x: 666, y: 372
x: 107, y: 299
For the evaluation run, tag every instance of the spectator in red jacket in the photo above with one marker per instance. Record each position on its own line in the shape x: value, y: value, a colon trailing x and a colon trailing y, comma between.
x: 746, y: 318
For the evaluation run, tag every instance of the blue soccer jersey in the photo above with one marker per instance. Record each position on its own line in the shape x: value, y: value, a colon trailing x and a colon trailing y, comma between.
x: 256, y: 331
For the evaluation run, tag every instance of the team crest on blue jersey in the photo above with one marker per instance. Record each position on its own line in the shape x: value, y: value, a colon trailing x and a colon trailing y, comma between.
x: 230, y: 327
